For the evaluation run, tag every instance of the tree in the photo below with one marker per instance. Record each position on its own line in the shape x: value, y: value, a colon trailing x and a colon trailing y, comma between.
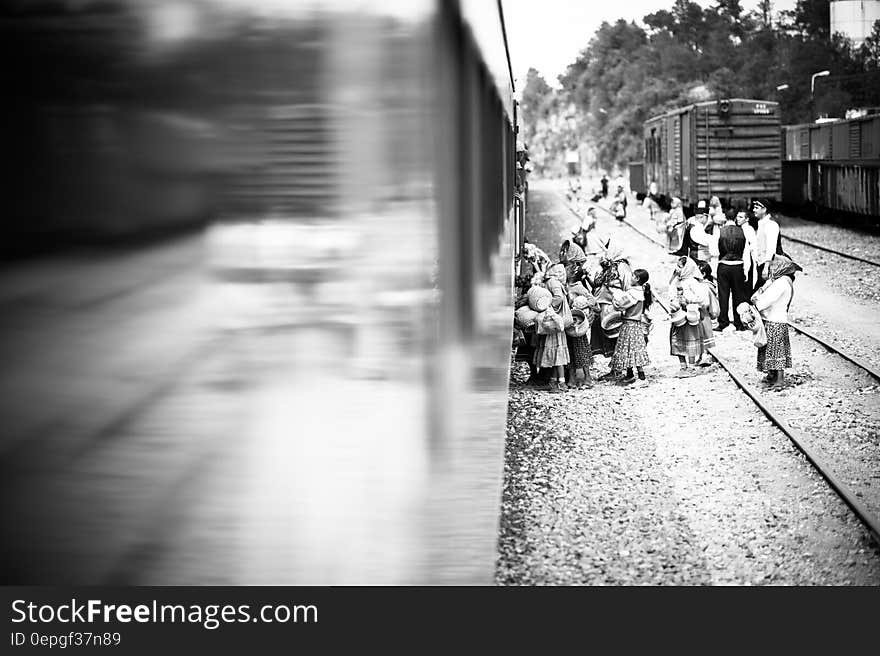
x: 869, y: 52
x: 686, y: 54
x: 812, y: 18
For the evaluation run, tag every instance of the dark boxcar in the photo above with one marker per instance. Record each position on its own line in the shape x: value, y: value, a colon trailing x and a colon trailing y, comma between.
x: 796, y: 142
x: 637, y: 178
x: 725, y: 148
x: 796, y: 183
x: 852, y: 187
x: 836, y: 173
x: 820, y: 141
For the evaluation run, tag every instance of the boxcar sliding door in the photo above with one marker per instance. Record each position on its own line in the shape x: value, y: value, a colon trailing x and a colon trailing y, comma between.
x: 687, y: 156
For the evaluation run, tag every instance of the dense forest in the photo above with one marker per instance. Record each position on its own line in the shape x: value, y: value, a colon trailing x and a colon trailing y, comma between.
x: 628, y: 73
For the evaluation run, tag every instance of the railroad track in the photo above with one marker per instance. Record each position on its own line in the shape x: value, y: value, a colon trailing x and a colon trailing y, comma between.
x: 831, y: 250
x: 797, y: 437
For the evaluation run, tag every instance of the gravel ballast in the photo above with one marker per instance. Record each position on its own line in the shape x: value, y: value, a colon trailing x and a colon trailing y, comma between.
x: 682, y: 482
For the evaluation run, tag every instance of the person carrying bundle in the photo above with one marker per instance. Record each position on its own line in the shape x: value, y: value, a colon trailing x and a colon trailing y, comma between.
x: 690, y: 335
x: 773, y: 300
x: 630, y: 351
x: 552, y: 348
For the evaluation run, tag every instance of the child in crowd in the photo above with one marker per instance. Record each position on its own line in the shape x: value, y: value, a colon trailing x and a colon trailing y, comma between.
x: 630, y: 352
x: 691, y: 339
x: 713, y: 309
x: 579, y: 349
x: 552, y: 349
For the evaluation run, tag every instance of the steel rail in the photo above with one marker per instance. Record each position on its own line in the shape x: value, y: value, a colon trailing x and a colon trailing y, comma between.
x: 798, y: 438
x: 800, y: 441
x: 831, y: 250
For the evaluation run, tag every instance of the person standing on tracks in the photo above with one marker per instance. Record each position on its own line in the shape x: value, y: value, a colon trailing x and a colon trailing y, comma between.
x: 749, y: 268
x: 690, y: 340
x: 694, y: 240
x: 716, y: 219
x: 675, y: 222
x: 630, y: 351
x: 766, y: 242
x: 604, y: 185
x: 618, y: 206
x: 773, y: 300
x: 731, y: 274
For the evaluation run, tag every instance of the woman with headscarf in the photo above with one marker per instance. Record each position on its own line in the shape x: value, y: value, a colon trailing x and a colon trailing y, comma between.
x: 552, y: 350
x: 572, y: 256
x: 691, y: 340
x: 773, y: 300
x: 615, y: 275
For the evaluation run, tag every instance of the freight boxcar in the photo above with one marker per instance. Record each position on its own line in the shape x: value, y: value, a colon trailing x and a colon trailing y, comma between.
x: 728, y: 148
x: 832, y: 170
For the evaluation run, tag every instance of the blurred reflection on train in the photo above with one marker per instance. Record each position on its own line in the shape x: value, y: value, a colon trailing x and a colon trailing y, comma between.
x: 301, y: 376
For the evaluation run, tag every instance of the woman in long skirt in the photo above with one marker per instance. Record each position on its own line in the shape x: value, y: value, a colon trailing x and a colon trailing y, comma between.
x: 772, y: 301
x: 690, y: 341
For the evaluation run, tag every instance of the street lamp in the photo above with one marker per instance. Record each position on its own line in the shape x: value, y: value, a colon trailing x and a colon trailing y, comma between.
x: 813, y: 80
x: 782, y: 87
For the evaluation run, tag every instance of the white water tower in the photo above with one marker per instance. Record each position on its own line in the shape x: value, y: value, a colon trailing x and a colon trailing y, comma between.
x: 854, y: 18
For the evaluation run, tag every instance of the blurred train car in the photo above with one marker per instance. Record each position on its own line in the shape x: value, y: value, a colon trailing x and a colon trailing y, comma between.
x: 727, y: 148
x: 831, y: 170
x: 105, y: 138
x: 355, y: 169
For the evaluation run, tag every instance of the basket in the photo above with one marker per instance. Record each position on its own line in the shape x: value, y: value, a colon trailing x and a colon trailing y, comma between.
x: 581, y: 325
x: 611, y: 322
x: 693, y: 314
x: 678, y: 317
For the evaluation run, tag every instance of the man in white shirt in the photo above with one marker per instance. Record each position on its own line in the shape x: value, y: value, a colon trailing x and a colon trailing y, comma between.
x: 766, y: 241
x: 742, y: 220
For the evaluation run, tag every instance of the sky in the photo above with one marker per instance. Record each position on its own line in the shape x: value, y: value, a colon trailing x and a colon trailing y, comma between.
x: 548, y: 35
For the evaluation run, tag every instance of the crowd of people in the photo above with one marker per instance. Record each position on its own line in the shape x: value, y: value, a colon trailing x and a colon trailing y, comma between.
x: 731, y: 272
x: 744, y: 258
x: 589, y: 302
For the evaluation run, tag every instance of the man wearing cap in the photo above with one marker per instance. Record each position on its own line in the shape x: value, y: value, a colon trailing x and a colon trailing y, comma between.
x: 766, y: 241
x: 694, y: 240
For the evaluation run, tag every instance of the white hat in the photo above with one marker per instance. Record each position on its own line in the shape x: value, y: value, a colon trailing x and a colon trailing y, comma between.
x: 701, y: 205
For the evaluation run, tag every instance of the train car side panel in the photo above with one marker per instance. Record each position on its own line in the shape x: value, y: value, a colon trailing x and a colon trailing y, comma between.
x: 687, y: 155
x: 851, y: 187
x: 738, y: 149
x: 820, y: 142
x: 871, y: 138
x: 637, y: 177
